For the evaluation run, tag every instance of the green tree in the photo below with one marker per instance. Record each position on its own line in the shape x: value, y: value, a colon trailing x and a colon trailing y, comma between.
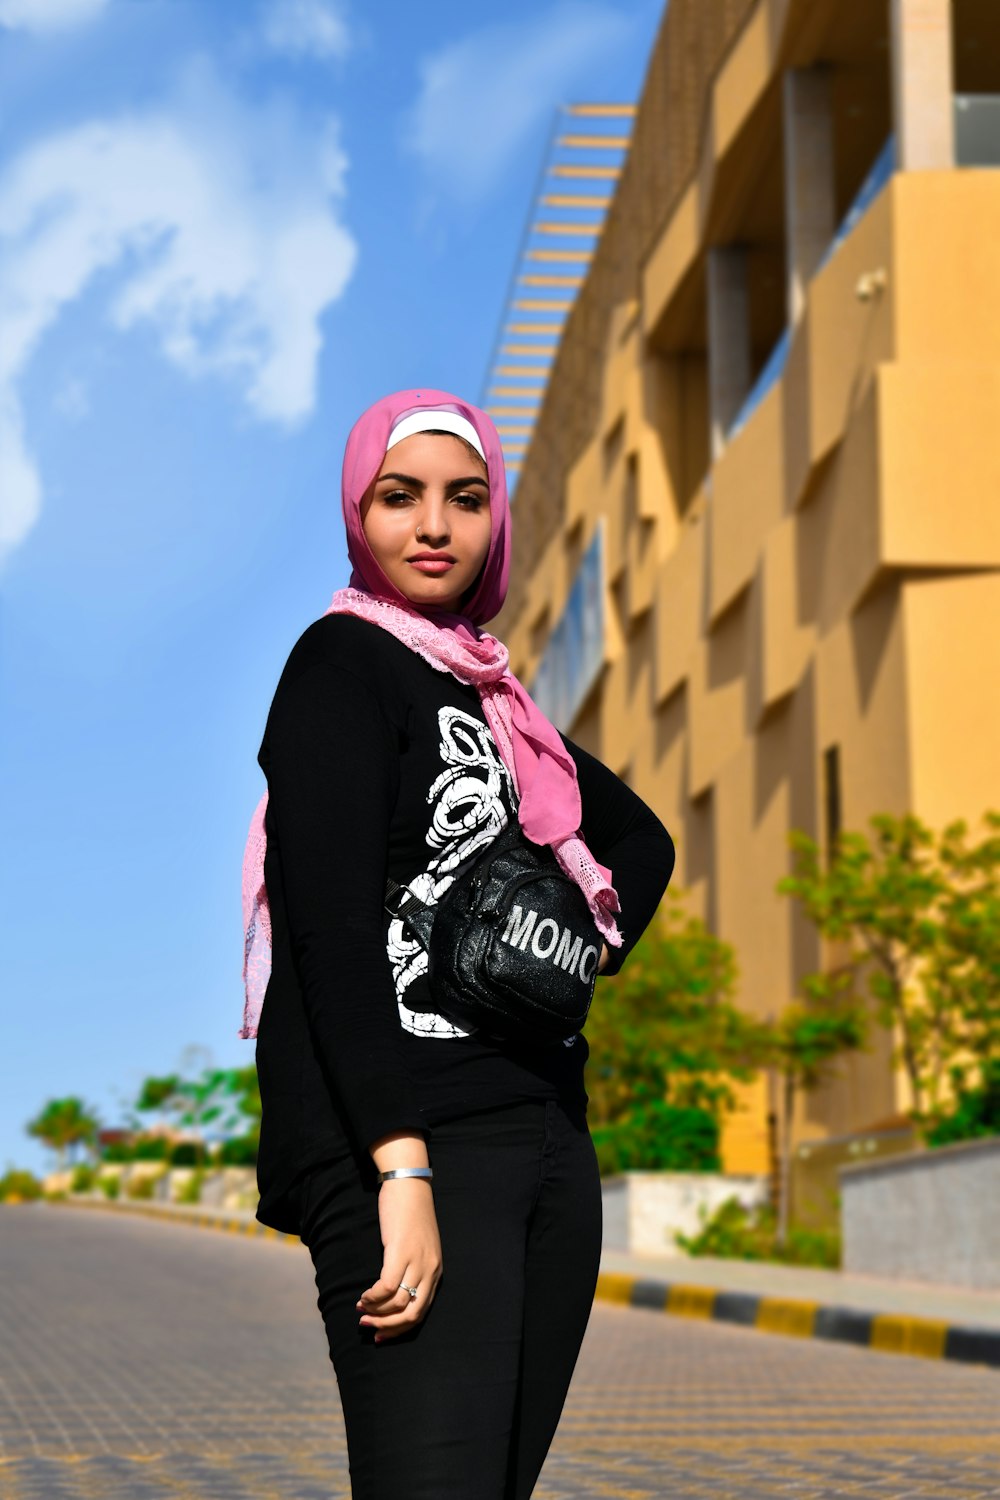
x: 802, y: 1045
x: 208, y: 1100
x: 666, y: 1027
x: 224, y: 1097
x: 918, y: 914
x: 163, y: 1096
x: 961, y: 975
x: 244, y: 1086
x: 64, y: 1124
x: 974, y: 1112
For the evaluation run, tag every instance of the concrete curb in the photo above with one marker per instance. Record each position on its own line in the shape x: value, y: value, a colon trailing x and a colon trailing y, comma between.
x: 889, y: 1333
x: 202, y: 1218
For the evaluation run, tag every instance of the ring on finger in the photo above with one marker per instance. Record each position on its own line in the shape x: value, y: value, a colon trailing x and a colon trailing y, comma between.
x: 404, y: 1288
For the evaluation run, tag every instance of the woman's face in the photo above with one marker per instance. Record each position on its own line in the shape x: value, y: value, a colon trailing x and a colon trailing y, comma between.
x: 435, y: 485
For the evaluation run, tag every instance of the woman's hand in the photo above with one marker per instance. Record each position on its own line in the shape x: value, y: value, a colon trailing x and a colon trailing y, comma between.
x: 412, y: 1247
x: 410, y: 1240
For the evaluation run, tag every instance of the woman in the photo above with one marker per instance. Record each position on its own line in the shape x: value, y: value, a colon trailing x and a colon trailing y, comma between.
x: 398, y: 743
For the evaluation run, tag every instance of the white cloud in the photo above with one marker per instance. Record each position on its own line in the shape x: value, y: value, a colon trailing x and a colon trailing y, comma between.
x: 48, y: 15
x: 222, y: 223
x: 306, y: 28
x: 480, y: 98
x: 20, y: 487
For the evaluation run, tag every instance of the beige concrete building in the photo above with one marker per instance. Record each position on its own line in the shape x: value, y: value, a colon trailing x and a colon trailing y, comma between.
x: 757, y: 526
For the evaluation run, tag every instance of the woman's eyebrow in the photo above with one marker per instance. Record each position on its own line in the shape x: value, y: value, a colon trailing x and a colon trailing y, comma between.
x: 418, y: 484
x: 463, y: 484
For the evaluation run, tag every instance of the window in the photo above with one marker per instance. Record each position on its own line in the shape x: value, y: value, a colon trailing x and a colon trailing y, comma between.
x: 831, y: 798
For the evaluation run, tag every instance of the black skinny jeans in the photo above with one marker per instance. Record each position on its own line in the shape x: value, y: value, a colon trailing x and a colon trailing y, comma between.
x: 465, y: 1405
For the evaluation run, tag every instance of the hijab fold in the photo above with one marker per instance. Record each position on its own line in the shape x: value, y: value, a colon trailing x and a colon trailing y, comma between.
x: 542, y: 769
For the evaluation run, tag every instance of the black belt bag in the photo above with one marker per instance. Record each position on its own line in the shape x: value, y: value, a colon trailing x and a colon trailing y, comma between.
x: 512, y: 948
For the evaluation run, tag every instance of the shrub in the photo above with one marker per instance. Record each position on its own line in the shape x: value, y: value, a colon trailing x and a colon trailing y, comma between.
x: 141, y: 1187
x: 118, y: 1151
x: 735, y: 1232
x: 655, y: 1136
x: 241, y: 1151
x: 812, y: 1247
x: 608, y: 1158
x: 153, y: 1148
x: 191, y: 1190
x: 976, y: 1111
x: 110, y: 1186
x: 18, y: 1186
x: 187, y: 1154
x: 82, y: 1180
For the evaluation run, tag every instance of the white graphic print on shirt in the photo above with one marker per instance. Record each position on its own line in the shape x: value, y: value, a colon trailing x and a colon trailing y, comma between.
x: 468, y: 810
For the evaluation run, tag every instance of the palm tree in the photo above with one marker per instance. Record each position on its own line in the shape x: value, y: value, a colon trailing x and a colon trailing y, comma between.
x: 63, y: 1124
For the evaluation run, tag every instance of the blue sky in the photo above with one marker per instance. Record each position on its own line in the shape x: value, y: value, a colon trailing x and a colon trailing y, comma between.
x: 226, y: 226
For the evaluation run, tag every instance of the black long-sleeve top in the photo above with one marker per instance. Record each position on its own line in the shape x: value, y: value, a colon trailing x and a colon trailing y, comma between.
x: 378, y: 764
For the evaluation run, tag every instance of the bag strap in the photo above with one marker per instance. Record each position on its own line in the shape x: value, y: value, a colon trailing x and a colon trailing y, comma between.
x: 511, y: 836
x: 391, y: 889
x: 418, y: 916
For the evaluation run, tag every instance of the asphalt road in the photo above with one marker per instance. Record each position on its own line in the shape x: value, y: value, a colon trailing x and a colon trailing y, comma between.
x: 141, y: 1361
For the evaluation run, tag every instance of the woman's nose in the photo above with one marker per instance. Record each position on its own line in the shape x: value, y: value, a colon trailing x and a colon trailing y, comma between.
x: 433, y: 525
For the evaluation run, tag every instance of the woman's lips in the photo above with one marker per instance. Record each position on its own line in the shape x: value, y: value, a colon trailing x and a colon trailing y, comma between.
x: 431, y: 565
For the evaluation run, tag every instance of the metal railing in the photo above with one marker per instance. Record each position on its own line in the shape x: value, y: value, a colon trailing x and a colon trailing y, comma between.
x: 572, y: 196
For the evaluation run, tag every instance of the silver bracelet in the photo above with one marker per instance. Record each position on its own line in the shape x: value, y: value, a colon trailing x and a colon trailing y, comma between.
x: 406, y: 1172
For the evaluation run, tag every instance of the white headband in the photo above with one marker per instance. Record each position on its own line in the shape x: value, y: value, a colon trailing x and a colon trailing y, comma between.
x: 430, y: 418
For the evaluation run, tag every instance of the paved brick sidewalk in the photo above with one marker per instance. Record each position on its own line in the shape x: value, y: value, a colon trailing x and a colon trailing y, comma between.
x: 868, y: 1312
x: 138, y: 1364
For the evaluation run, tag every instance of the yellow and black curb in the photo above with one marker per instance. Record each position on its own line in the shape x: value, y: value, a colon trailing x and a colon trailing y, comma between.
x: 200, y: 1218
x: 890, y: 1333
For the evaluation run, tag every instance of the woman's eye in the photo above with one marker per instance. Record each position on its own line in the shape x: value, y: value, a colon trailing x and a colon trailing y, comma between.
x: 474, y: 501
x: 394, y: 495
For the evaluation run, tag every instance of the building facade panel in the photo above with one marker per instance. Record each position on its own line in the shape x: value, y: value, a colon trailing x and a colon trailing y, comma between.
x: 862, y: 708
x: 679, y: 610
x: 936, y: 470
x: 748, y: 493
x: 837, y: 528
x: 952, y: 630
x: 717, y: 696
x: 846, y: 336
x: 947, y: 228
x: 787, y: 635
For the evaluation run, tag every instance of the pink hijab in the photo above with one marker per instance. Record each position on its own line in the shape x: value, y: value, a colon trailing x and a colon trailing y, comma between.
x: 543, y: 771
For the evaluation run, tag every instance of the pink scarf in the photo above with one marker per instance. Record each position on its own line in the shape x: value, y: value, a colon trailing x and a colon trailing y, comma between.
x: 544, y: 773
